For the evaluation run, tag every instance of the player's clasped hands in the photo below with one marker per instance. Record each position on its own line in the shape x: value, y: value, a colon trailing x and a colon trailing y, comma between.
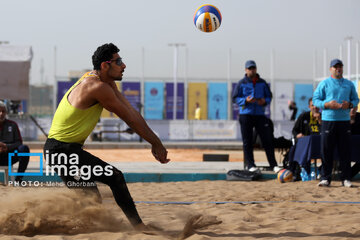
x: 250, y: 99
x: 335, y: 105
x: 260, y: 101
x: 160, y: 153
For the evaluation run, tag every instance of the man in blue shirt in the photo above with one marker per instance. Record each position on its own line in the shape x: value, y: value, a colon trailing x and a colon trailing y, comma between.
x: 335, y: 96
x: 252, y: 94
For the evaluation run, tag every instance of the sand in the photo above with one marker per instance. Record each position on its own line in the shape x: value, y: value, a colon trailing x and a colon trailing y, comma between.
x: 59, y: 213
x: 176, y: 155
x: 281, y: 211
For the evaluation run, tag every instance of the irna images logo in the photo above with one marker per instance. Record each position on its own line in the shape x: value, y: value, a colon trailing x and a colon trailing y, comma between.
x: 62, y: 165
x: 16, y: 154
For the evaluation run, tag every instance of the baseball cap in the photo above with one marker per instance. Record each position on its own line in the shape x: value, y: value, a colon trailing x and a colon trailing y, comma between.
x: 336, y: 61
x: 249, y: 64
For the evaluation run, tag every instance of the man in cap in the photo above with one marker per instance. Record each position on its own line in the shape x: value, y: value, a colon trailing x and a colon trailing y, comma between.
x: 10, y: 141
x: 336, y: 96
x: 252, y: 94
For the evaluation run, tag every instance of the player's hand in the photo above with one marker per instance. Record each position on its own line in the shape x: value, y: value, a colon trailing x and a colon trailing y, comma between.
x: 333, y: 105
x: 160, y: 153
x: 250, y: 99
x: 345, y: 105
x: 3, y: 147
x: 261, y: 101
x: 300, y: 135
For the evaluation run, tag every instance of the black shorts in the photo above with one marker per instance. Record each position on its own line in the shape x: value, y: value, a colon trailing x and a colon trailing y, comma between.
x: 75, y: 166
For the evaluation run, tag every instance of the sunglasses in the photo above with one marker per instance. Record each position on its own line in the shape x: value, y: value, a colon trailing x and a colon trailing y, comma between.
x: 118, y: 61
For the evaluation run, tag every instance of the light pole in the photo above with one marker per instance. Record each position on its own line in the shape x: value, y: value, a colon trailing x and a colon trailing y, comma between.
x: 55, y: 81
x: 176, y: 47
x: 229, y: 85
x: 357, y: 60
x: 349, y: 38
x: 272, y: 82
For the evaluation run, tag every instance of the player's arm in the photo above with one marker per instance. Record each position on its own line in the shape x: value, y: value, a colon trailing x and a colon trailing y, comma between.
x: 118, y: 104
x: 297, y: 129
x: 17, y: 139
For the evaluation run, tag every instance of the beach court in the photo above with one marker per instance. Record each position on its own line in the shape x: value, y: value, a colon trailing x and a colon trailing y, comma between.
x: 264, y: 209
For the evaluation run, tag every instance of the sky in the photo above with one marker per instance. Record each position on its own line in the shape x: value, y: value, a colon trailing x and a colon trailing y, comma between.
x: 293, y: 30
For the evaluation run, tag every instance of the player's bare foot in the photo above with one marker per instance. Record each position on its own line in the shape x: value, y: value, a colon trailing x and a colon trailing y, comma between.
x: 147, y: 229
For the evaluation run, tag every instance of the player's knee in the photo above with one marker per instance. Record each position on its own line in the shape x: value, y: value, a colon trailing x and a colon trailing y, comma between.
x: 118, y: 176
x: 23, y: 149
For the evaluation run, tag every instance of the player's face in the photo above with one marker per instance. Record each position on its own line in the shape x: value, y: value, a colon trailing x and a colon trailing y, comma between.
x: 117, y: 67
x: 311, y: 106
x: 313, y: 109
x: 250, y: 72
x: 337, y: 71
x: 2, y: 114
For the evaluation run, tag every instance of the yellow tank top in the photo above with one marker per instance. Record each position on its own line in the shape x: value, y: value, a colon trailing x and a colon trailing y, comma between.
x: 73, y: 125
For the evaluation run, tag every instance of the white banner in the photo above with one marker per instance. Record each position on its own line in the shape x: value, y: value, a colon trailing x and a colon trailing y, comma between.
x: 283, y: 94
x: 206, y: 130
x: 179, y: 130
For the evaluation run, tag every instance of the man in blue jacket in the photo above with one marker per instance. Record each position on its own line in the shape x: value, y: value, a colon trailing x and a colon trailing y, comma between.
x: 335, y: 96
x: 252, y: 94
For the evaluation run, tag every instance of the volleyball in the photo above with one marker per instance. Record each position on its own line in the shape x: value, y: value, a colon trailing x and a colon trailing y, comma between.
x: 285, y: 175
x: 207, y: 18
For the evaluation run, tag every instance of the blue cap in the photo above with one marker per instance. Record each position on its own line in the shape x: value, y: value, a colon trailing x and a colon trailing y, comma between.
x: 336, y: 61
x: 249, y: 64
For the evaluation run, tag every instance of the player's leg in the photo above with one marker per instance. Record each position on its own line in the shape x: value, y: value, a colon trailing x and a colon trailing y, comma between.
x: 328, y: 140
x: 246, y: 126
x: 344, y: 149
x: 114, y: 178
x: 23, y: 160
x: 264, y: 129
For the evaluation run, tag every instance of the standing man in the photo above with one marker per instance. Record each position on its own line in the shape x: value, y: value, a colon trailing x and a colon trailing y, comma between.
x: 10, y: 140
x: 252, y: 94
x: 335, y: 96
x: 76, y: 117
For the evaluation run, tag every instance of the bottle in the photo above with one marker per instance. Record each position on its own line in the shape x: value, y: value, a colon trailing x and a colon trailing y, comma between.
x: 304, y: 175
x: 312, y: 170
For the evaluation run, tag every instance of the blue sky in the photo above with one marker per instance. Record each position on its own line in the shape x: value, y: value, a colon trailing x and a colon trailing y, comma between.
x: 294, y: 29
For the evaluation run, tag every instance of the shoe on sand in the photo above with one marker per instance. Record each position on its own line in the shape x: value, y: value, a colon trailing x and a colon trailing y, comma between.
x: 324, y: 183
x: 254, y: 169
x: 277, y: 169
x: 347, y: 183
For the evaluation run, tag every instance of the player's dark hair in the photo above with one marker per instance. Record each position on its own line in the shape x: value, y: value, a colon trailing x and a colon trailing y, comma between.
x: 310, y: 99
x: 103, y: 53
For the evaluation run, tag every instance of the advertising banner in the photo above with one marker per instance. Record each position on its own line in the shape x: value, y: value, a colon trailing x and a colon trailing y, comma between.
x: 302, y: 94
x: 62, y: 88
x: 132, y: 92
x: 197, y: 93
x: 154, y: 100
x: 235, y: 107
x: 179, y: 100
x: 217, y: 101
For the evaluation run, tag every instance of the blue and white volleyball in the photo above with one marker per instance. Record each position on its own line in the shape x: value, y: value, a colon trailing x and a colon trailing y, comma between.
x: 207, y: 18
